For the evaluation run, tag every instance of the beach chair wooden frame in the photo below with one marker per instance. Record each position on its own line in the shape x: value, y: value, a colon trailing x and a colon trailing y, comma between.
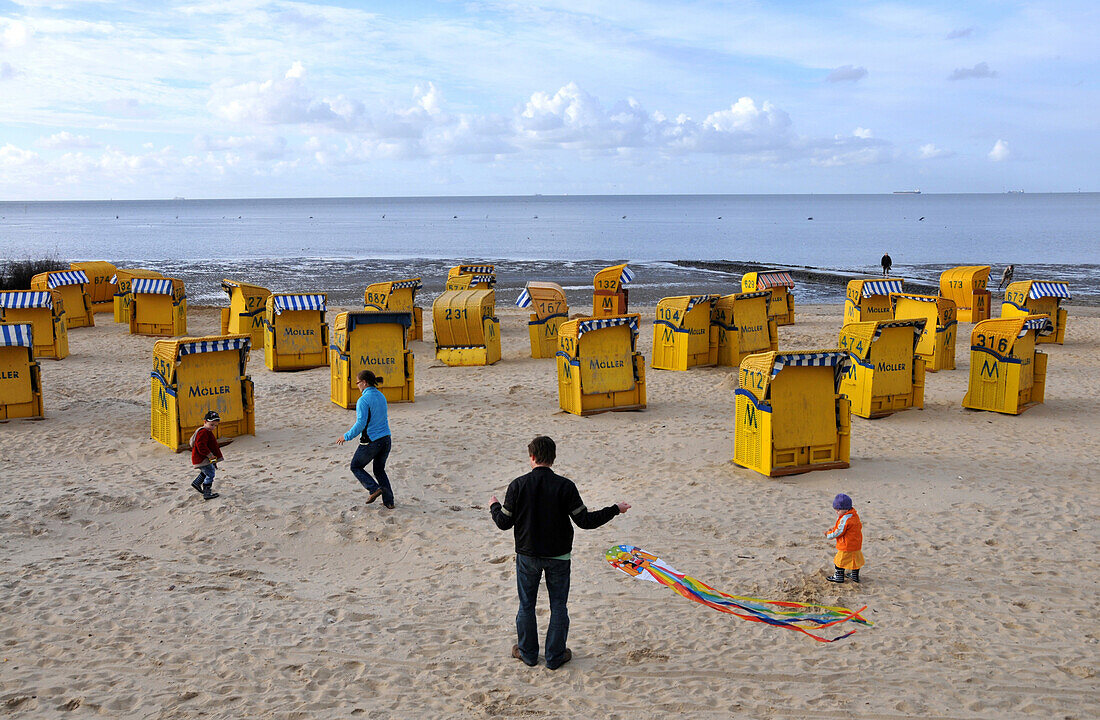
x: 471, y: 277
x: 780, y: 284
x: 101, y: 286
x: 966, y: 285
x: 1007, y: 374
x: 1039, y: 297
x: 20, y: 374
x: 295, y: 331
x: 194, y: 375
x: 467, y: 331
x: 790, y: 416
x: 245, y: 314
x: 44, y: 311
x: 397, y: 296
x: 158, y: 307
x: 376, y: 341
x: 123, y: 297
x: 868, y: 300
x: 599, y: 367
x: 684, y: 335
x: 743, y: 326
x: 550, y: 311
x: 71, y: 285
x: 885, y: 373
x: 610, y: 296
x: 937, y: 341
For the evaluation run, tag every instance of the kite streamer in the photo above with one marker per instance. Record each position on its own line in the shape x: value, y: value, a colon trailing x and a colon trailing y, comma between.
x: 801, y: 617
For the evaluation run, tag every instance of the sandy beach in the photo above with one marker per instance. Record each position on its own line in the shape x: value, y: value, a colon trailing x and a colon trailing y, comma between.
x: 125, y: 595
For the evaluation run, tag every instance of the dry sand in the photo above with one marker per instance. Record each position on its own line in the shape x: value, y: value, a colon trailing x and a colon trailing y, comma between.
x: 124, y: 595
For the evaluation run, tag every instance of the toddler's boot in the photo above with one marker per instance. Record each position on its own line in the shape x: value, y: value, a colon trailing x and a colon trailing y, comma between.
x: 197, y: 484
x: 855, y: 575
x: 209, y: 494
x: 837, y: 577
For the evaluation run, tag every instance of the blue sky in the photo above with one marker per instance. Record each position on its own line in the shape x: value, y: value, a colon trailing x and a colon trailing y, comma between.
x: 249, y: 98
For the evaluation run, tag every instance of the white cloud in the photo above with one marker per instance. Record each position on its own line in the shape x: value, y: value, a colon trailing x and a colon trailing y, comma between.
x: 847, y: 73
x: 7, y: 72
x: 66, y: 140
x: 13, y: 33
x: 259, y: 148
x: 1000, y: 151
x: 13, y: 157
x: 861, y: 133
x: 981, y: 70
x: 931, y: 152
x: 273, y: 102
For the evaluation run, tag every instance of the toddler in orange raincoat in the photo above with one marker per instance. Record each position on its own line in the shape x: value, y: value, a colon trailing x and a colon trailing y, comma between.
x: 848, y: 532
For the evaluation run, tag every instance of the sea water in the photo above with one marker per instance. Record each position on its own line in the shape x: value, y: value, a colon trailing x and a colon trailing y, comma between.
x: 676, y: 244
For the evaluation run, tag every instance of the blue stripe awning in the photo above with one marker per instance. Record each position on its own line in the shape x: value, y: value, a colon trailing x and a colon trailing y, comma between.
x: 151, y: 286
x: 20, y: 299
x: 487, y: 279
x: 297, y: 302
x: 524, y: 299
x: 1048, y: 289
x: 919, y: 298
x: 626, y: 276
x: 880, y: 287
x: 916, y: 323
x: 67, y: 277
x: 476, y: 269
x: 16, y: 335
x: 585, y: 326
x: 205, y: 346
x: 1041, y: 326
x: 697, y: 299
x: 415, y: 284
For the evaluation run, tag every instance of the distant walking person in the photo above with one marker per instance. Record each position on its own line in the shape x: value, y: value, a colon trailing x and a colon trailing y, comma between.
x: 887, y: 263
x: 373, y: 428
x: 1006, y: 276
x: 539, y: 506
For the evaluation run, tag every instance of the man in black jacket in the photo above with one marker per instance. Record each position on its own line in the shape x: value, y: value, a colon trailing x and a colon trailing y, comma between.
x: 539, y: 506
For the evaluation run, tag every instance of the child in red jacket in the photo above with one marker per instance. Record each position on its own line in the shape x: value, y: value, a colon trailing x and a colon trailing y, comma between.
x: 205, y: 453
x: 848, y: 532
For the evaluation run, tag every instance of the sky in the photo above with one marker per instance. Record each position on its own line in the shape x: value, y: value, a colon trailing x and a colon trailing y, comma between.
x: 253, y: 98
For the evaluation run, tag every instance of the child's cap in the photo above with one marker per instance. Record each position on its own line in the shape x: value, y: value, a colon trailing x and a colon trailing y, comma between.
x: 212, y: 416
x: 842, y: 502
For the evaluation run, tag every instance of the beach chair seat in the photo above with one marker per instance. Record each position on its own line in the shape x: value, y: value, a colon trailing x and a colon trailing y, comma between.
x: 1035, y: 297
x: 683, y: 334
x: 376, y: 341
x: 780, y: 284
x: 885, y: 373
x: 1007, y: 374
x: 20, y: 374
x: 599, y: 367
x: 789, y: 414
x: 295, y: 331
x: 744, y: 327
x: 194, y: 375
x: 467, y: 331
x: 44, y: 311
x: 550, y: 311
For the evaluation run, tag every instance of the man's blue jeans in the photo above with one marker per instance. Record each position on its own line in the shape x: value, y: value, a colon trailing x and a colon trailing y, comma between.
x: 529, y: 572
x: 376, y: 450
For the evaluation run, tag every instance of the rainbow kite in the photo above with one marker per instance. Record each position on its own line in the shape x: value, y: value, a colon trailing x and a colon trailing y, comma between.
x: 792, y: 615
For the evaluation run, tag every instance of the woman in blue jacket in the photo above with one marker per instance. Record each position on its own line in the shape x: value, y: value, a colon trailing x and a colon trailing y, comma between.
x: 373, y: 428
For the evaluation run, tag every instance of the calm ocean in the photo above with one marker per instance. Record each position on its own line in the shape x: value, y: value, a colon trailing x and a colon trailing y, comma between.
x: 676, y: 244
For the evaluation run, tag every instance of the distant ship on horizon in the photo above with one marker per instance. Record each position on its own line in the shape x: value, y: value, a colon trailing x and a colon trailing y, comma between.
x: 907, y: 192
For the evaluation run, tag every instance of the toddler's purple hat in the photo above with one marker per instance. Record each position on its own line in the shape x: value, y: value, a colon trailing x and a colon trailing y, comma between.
x: 842, y: 502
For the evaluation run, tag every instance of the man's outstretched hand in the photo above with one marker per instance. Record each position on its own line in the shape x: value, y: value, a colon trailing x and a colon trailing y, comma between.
x: 623, y: 507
